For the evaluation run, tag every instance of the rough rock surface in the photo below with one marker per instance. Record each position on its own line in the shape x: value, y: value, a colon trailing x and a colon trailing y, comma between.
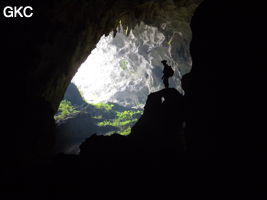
x: 50, y: 46
x: 211, y: 41
x: 156, y: 139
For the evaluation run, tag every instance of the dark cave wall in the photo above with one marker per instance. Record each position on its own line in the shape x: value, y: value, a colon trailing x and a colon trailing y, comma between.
x: 64, y: 33
x: 28, y: 119
x: 43, y: 53
x: 228, y: 43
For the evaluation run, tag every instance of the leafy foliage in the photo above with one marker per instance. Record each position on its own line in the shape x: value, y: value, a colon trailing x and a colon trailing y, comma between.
x: 124, y: 120
x: 108, y: 117
x: 103, y: 106
x: 126, y: 131
x: 98, y: 117
x: 65, y: 109
x: 123, y: 64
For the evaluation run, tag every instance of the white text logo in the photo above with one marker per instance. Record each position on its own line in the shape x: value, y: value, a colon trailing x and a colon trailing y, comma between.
x: 15, y: 11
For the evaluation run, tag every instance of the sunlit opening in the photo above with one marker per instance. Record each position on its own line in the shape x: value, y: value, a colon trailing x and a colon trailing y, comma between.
x: 108, y: 93
x: 125, y: 69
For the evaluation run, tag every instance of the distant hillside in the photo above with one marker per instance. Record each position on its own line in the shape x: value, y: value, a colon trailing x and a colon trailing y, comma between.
x: 77, y: 120
x: 73, y: 95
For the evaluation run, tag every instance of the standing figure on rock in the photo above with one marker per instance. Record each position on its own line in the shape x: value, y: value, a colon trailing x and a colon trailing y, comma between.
x: 167, y: 73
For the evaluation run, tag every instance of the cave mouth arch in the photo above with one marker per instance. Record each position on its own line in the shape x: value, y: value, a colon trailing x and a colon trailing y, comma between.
x: 124, y: 69
x: 171, y: 18
x: 119, y: 74
x: 77, y: 35
x: 69, y: 32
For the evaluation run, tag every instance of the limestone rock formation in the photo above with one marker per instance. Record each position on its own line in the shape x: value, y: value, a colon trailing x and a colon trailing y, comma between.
x: 163, y: 118
x: 46, y: 50
x: 73, y: 95
x: 156, y: 139
x: 42, y: 53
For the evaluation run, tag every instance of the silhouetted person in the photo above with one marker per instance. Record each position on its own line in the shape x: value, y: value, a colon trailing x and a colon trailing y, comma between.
x: 167, y: 73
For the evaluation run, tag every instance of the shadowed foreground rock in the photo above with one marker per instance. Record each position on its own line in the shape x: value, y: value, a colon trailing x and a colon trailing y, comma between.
x: 221, y: 41
x: 44, y: 52
x: 156, y: 143
x: 156, y: 138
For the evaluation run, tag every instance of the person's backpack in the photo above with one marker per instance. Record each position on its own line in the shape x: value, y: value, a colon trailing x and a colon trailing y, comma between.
x: 170, y: 71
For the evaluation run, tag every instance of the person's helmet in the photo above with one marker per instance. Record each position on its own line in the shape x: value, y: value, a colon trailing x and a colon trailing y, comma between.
x: 164, y: 61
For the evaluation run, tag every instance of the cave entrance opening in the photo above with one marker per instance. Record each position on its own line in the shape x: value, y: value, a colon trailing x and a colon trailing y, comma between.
x: 108, y: 92
x: 124, y: 69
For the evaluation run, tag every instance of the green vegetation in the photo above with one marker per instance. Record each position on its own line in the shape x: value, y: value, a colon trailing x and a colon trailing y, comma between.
x: 123, y: 64
x: 65, y: 109
x: 127, y: 30
x: 170, y: 41
x: 103, y: 106
x: 123, y: 121
x: 128, y: 114
x: 98, y: 117
x: 108, y: 117
x: 126, y: 131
